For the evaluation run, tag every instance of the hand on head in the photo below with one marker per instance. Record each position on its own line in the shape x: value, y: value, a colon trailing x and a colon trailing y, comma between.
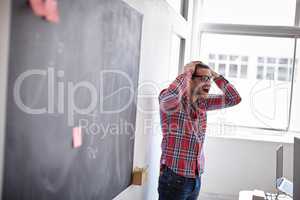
x: 214, y: 74
x: 200, y: 82
x: 191, y: 66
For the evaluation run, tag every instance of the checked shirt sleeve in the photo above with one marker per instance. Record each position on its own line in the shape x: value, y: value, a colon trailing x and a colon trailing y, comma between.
x: 230, y: 96
x: 170, y: 98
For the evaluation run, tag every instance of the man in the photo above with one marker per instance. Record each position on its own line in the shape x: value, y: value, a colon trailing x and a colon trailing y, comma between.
x: 183, y: 107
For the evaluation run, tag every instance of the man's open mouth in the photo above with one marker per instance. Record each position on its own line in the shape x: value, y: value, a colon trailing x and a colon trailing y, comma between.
x: 206, y: 90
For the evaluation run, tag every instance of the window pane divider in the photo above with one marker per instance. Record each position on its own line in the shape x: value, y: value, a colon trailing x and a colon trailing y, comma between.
x: 297, y: 13
x: 292, y: 86
x: 253, y: 30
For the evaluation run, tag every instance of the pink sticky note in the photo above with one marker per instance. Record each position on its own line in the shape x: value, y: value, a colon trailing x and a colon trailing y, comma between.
x: 51, y: 11
x: 45, y: 8
x: 77, y: 137
x: 38, y: 7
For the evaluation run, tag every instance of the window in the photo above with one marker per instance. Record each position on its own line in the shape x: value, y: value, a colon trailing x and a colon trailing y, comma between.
x: 245, y: 58
x: 244, y: 70
x: 211, y: 65
x: 181, y: 54
x: 260, y: 59
x: 237, y: 64
x: 211, y: 56
x: 233, y: 58
x: 258, y: 53
x: 283, y: 61
x: 255, y: 75
x: 185, y: 8
x: 283, y: 74
x: 260, y: 72
x: 222, y: 69
x: 233, y: 69
x: 176, y: 56
x: 258, y: 12
x: 291, y: 72
x: 271, y: 60
x: 180, y: 6
x: 270, y: 73
x: 222, y: 57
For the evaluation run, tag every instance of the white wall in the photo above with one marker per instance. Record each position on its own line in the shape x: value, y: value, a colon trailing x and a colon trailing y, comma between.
x: 4, y: 37
x: 160, y: 22
x: 231, y: 164
x: 234, y: 164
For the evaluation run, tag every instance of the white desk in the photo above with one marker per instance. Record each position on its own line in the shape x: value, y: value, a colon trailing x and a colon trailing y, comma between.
x: 247, y: 195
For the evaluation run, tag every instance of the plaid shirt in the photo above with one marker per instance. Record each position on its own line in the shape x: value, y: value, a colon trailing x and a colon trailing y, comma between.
x: 184, y: 125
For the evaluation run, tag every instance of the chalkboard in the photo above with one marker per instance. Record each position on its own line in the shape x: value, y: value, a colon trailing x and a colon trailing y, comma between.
x: 82, y: 72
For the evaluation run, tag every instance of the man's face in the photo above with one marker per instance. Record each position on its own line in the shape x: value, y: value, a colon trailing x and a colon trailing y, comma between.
x: 201, y: 82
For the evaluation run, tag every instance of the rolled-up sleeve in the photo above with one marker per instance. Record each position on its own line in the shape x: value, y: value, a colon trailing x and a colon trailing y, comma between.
x: 170, y: 98
x: 230, y: 96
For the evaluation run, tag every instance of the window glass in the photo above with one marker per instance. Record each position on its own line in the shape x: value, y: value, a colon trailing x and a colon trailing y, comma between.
x: 258, y: 74
x: 255, y: 12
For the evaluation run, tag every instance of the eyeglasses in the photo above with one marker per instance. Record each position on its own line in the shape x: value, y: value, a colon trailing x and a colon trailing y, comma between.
x: 202, y: 78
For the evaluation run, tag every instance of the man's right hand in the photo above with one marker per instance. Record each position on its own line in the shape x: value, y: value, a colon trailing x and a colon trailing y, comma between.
x: 214, y: 74
x: 191, y: 66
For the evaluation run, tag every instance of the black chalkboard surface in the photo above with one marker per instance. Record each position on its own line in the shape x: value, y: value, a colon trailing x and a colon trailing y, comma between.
x: 83, y: 72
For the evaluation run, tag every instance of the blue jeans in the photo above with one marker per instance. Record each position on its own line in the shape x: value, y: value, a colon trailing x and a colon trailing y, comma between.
x: 174, y: 187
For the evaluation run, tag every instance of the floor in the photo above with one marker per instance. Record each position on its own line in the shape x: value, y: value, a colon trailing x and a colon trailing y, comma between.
x: 211, y: 196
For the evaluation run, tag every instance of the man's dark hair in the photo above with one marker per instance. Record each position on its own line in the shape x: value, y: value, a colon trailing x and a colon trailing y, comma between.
x: 200, y: 65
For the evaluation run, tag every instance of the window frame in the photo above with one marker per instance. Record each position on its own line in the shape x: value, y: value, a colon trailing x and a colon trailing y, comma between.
x: 292, y: 32
x: 183, y: 9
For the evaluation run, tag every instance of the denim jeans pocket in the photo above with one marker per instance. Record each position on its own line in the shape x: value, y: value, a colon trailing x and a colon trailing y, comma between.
x: 165, y: 178
x: 178, y: 182
x: 172, y: 185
